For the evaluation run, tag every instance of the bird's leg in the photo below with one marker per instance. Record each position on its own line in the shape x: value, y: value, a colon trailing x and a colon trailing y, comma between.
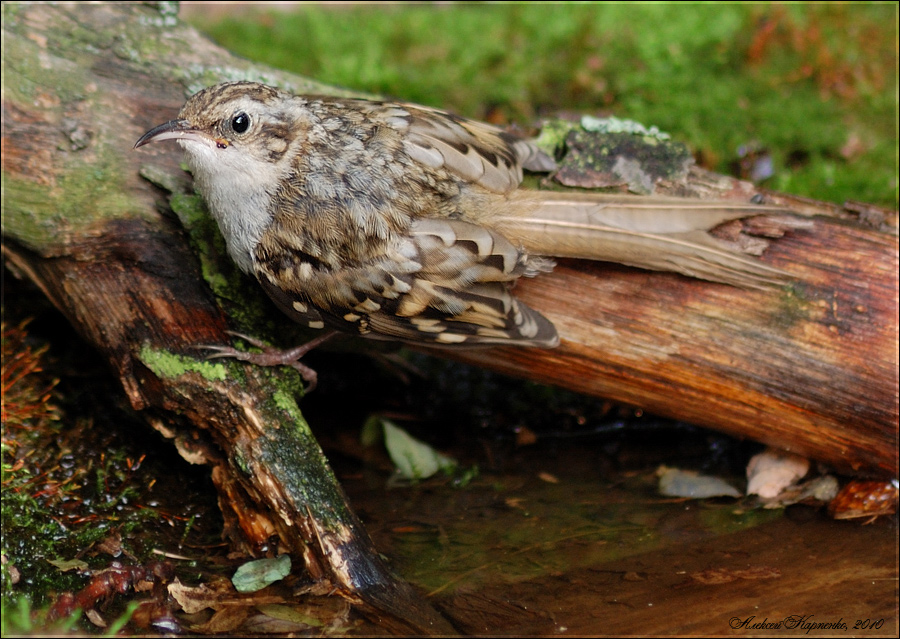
x: 273, y: 356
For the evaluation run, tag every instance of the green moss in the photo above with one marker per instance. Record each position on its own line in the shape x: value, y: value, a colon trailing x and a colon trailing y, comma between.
x: 31, y: 538
x: 240, y: 296
x: 295, y: 456
x: 85, y: 196
x: 169, y: 365
x: 69, y: 482
x: 202, y: 229
x: 286, y: 402
x: 208, y: 243
x: 637, y: 159
x: 85, y: 191
x: 191, y: 211
x: 22, y: 58
x: 54, y: 509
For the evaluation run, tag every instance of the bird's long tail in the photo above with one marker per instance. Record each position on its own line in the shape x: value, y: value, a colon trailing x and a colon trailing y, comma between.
x: 661, y: 234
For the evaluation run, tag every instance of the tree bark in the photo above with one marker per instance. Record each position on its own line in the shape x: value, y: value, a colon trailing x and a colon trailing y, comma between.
x: 812, y: 368
x: 81, y: 223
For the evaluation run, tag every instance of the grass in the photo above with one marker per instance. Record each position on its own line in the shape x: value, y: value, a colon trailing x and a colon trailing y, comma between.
x: 814, y: 85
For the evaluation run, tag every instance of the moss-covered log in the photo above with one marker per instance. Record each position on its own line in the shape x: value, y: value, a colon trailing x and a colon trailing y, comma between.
x: 812, y: 368
x: 80, y: 222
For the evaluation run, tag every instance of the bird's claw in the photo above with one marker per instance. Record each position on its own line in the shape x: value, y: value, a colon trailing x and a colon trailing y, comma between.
x: 270, y: 356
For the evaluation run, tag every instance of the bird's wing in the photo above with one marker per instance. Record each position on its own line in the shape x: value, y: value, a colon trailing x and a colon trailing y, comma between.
x: 448, y: 285
x: 474, y: 151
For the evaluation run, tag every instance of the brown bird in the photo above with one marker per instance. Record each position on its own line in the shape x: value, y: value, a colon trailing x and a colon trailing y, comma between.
x: 401, y: 222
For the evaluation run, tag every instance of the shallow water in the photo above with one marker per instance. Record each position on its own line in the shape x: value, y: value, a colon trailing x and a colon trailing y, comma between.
x: 516, y: 553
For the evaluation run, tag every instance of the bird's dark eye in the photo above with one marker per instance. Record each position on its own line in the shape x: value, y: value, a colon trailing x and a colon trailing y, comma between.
x: 240, y: 122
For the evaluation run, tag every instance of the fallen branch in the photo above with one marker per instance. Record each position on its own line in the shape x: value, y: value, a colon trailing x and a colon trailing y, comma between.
x: 812, y: 367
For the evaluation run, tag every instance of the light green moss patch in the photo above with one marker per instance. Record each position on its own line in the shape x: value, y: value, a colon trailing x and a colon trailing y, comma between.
x: 169, y: 365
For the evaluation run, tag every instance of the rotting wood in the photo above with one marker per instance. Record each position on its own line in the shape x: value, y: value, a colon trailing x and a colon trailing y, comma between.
x: 812, y: 368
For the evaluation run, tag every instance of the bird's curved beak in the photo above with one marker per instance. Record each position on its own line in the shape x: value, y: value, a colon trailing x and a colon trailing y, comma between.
x: 177, y: 130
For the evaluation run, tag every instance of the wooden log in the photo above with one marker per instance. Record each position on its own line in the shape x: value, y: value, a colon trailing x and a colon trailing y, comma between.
x: 812, y: 368
x: 81, y: 224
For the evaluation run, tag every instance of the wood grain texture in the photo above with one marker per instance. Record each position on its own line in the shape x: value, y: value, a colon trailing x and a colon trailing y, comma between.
x: 812, y: 368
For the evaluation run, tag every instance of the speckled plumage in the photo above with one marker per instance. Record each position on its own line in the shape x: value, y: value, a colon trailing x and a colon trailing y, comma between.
x: 401, y: 222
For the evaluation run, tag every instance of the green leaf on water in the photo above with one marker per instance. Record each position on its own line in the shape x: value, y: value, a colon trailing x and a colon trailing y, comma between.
x: 256, y: 575
x: 414, y: 459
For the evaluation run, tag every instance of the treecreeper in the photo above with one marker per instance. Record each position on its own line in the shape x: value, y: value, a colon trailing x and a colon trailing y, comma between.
x: 401, y: 222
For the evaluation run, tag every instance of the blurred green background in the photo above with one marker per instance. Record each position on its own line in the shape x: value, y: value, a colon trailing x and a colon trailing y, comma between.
x: 816, y: 85
x: 812, y: 86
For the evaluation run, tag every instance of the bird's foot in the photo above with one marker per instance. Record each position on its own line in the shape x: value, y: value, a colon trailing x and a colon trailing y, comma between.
x: 271, y: 356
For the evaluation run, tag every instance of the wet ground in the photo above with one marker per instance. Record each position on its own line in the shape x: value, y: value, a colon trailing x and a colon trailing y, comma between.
x: 554, y: 548
x: 562, y: 533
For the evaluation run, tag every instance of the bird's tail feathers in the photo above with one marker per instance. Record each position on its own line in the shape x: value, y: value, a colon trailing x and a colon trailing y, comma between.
x: 661, y: 234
